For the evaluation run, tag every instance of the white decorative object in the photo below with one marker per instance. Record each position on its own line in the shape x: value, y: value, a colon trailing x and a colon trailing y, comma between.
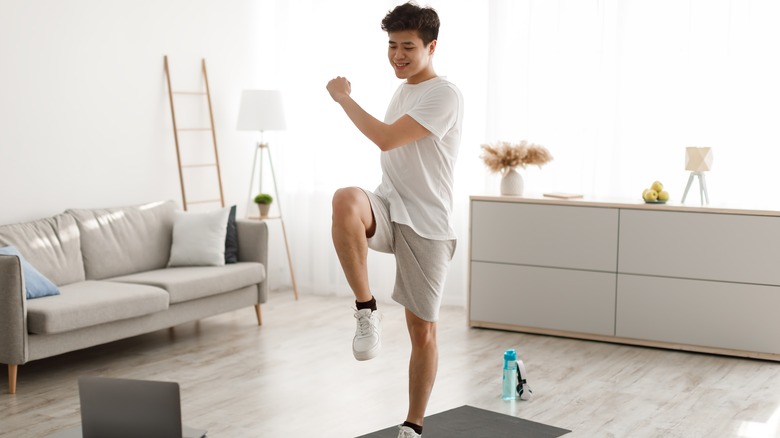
x: 505, y: 157
x: 512, y: 183
x: 262, y: 110
x: 698, y: 160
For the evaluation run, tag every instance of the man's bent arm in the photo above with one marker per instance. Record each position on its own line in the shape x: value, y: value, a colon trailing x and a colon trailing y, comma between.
x: 401, y: 132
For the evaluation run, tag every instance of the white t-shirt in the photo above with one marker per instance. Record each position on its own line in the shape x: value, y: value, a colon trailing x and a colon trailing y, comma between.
x: 417, y: 178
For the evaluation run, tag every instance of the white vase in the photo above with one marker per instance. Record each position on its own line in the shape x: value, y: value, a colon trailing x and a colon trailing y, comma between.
x: 512, y: 183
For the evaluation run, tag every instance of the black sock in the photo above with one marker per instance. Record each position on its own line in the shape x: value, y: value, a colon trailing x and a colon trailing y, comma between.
x: 414, y: 427
x: 370, y: 304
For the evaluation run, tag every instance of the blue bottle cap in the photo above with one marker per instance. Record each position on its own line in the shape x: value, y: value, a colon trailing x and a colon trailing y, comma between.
x: 510, y: 354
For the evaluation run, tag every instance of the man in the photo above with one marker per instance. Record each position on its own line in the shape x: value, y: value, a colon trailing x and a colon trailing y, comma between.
x: 409, y: 213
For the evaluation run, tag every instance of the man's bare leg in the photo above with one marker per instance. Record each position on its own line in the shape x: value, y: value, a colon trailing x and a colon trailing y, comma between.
x: 423, y: 364
x: 353, y: 223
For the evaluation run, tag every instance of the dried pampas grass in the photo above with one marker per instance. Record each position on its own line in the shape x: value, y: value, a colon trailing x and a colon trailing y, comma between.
x: 504, y: 155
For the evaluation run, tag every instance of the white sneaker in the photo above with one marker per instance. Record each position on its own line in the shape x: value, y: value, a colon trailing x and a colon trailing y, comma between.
x: 366, y: 344
x: 407, y: 432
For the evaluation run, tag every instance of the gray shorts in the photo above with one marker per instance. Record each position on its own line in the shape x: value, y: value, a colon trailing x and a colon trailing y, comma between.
x: 420, y: 264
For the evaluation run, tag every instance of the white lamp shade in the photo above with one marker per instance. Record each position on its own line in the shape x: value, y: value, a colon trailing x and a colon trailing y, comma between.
x: 261, y: 110
x: 698, y: 159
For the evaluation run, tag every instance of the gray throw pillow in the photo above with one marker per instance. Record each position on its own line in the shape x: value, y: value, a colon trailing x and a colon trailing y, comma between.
x: 231, y: 239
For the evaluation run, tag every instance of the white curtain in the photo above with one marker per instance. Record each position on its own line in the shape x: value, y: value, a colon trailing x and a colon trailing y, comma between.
x: 615, y: 89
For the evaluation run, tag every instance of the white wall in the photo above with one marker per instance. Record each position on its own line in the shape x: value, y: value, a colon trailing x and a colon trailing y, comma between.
x: 84, y: 115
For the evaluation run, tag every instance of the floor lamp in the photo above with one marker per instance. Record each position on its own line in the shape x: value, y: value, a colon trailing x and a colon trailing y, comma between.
x: 698, y: 160
x: 261, y: 110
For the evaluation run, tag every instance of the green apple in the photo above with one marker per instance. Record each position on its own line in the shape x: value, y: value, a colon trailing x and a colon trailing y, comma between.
x: 663, y: 195
x: 657, y: 186
x: 650, y: 195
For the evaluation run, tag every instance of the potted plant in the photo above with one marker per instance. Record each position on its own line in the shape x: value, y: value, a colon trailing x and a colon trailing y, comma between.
x: 504, y: 157
x: 264, y: 201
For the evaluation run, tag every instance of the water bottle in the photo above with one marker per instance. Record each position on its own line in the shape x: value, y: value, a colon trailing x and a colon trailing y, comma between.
x: 509, y: 387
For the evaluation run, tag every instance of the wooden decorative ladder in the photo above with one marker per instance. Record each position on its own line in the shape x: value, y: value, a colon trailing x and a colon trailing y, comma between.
x: 177, y: 130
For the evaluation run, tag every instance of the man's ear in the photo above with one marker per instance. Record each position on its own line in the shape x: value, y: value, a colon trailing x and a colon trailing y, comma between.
x: 432, y: 47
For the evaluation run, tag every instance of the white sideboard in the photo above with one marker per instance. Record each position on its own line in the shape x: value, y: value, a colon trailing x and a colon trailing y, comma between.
x: 690, y: 278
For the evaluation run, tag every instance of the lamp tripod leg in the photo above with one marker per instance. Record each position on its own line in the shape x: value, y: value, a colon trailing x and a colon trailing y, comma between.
x: 289, y: 260
x: 687, y: 187
x: 281, y: 220
x: 703, y: 183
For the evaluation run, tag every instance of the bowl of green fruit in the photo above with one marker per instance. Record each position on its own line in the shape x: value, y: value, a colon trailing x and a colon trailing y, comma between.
x: 655, y: 194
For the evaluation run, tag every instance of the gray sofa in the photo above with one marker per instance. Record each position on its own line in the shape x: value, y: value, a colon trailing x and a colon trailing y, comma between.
x: 110, y: 266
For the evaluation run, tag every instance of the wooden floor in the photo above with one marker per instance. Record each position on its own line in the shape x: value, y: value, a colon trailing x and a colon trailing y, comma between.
x: 295, y: 377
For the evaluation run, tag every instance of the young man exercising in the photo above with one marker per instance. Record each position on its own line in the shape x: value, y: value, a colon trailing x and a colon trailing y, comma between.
x: 408, y: 215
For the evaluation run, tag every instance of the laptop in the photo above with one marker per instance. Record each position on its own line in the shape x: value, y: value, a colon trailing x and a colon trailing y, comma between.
x: 124, y: 408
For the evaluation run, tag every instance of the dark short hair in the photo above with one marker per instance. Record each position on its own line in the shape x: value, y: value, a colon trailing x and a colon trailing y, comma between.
x: 409, y: 16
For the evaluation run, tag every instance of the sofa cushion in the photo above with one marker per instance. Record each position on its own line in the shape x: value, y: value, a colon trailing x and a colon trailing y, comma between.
x: 52, y: 245
x: 199, y: 238
x: 193, y: 282
x: 90, y: 303
x: 125, y: 240
x: 35, y: 284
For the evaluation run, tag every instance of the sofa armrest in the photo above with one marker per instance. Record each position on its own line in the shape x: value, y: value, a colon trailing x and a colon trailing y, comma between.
x: 13, y: 312
x: 253, y: 247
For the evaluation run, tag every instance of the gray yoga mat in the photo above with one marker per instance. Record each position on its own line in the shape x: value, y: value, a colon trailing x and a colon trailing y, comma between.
x: 471, y: 422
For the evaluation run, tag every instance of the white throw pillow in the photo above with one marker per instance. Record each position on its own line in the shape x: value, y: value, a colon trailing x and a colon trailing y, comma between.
x: 199, y: 238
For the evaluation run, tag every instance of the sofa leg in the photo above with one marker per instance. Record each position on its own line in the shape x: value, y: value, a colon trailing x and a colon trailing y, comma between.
x: 259, y: 317
x: 12, y: 369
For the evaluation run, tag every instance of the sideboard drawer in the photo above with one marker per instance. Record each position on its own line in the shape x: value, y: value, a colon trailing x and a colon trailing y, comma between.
x: 545, y: 235
x: 703, y: 313
x: 556, y: 299
x: 723, y: 247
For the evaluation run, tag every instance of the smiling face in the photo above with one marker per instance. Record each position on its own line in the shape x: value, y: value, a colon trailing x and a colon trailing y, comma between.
x: 409, y: 57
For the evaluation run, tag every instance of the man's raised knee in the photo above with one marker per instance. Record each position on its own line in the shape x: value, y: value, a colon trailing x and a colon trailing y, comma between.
x: 345, y: 202
x: 351, y: 206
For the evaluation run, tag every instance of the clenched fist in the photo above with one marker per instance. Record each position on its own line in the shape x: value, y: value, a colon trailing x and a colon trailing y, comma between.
x: 339, y: 88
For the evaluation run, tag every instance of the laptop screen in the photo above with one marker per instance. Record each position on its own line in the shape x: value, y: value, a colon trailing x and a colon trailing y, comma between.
x: 121, y: 408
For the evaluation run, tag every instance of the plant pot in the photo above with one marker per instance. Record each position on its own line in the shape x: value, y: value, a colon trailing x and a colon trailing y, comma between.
x: 512, y: 183
x: 264, y: 209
